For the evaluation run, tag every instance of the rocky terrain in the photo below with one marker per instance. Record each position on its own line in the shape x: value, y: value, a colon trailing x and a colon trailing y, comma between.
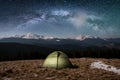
x: 33, y: 70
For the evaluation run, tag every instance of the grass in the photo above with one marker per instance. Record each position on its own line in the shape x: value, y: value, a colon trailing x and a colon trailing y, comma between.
x: 33, y: 70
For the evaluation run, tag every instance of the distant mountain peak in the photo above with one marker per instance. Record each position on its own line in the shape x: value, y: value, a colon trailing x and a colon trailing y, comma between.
x: 83, y: 37
x: 37, y: 36
x: 32, y: 36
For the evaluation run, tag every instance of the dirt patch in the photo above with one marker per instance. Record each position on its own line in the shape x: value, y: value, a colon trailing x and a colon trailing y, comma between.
x: 33, y: 70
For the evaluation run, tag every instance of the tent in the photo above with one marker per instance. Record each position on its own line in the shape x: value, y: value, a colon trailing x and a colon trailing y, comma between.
x: 57, y: 60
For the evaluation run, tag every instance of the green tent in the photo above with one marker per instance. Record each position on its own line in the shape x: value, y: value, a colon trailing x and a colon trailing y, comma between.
x: 57, y: 60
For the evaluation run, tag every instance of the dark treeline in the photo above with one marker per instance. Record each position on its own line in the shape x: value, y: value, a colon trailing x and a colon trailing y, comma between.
x: 15, y: 51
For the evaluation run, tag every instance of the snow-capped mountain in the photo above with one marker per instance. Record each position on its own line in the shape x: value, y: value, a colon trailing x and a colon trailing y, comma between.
x: 32, y: 36
x: 83, y: 37
x: 81, y: 40
x: 36, y: 36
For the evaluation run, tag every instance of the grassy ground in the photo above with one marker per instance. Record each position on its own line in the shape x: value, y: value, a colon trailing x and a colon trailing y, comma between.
x: 32, y: 70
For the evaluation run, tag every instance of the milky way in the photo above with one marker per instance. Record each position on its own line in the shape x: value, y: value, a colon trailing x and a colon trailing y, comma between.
x: 60, y: 18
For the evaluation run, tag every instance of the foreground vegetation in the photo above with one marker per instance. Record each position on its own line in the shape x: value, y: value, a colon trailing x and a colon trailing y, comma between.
x: 33, y: 70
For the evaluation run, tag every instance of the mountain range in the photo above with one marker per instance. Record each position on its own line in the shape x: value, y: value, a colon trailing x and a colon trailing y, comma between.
x: 81, y: 40
x: 46, y: 41
x: 33, y: 46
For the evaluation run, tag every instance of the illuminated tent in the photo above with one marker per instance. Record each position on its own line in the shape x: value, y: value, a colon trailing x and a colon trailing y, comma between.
x: 57, y: 60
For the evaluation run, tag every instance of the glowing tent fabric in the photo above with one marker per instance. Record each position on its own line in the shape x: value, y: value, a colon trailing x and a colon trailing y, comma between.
x: 57, y: 60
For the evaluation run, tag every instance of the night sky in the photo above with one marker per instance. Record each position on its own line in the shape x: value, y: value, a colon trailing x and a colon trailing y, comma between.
x: 60, y: 18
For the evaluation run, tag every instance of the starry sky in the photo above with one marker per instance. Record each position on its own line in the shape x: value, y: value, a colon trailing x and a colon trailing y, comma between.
x: 60, y: 18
